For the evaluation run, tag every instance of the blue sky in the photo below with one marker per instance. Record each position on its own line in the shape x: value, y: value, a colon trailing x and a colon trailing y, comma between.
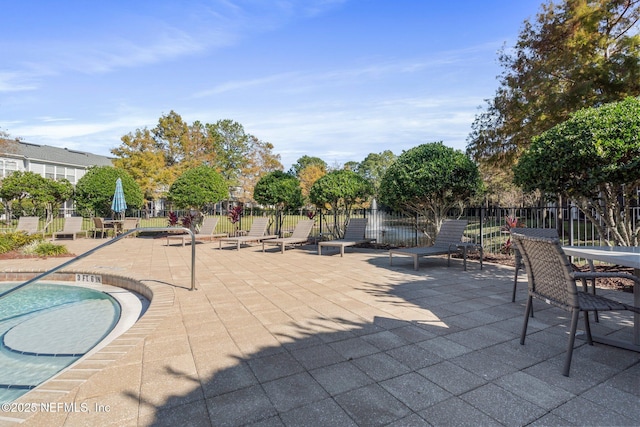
x: 336, y: 79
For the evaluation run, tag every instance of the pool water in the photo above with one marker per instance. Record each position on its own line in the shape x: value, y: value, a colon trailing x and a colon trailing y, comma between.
x: 46, y: 327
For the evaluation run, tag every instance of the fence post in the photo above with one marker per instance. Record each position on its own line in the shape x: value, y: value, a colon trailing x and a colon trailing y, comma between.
x: 570, y: 215
x: 416, y: 236
x: 481, y: 222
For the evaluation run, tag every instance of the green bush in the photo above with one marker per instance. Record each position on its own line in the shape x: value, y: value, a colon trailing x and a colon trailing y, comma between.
x: 49, y: 249
x: 12, y: 241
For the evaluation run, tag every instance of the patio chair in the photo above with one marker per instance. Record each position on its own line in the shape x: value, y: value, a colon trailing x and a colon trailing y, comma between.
x: 130, y: 224
x: 72, y: 226
x: 448, y: 240
x: 549, y: 233
x: 100, y: 226
x: 206, y: 232
x: 28, y: 224
x: 353, y: 235
x: 256, y: 234
x: 300, y: 235
x: 552, y: 279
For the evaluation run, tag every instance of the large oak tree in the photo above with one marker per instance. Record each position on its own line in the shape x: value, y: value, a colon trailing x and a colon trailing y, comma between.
x: 575, y: 54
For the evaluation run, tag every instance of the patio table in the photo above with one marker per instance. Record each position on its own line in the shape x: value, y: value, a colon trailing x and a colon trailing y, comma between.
x: 116, y: 223
x: 628, y: 256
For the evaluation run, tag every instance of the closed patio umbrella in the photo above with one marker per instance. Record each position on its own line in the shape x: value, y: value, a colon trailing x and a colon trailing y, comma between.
x: 119, y: 204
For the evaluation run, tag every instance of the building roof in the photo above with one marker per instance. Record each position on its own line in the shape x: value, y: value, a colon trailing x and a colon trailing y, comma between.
x: 47, y: 153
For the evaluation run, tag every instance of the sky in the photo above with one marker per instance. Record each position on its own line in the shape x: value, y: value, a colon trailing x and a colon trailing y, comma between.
x: 335, y: 79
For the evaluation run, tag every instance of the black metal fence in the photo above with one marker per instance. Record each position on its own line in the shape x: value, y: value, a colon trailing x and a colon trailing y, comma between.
x: 487, y: 226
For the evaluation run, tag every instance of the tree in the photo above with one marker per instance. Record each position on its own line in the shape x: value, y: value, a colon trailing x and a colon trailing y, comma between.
x: 233, y: 149
x: 5, y: 141
x: 280, y: 190
x: 156, y: 157
x: 32, y: 194
x: 198, y: 187
x: 340, y: 190
x: 308, y: 176
x: 593, y: 159
x: 94, y: 191
x: 578, y: 53
x: 429, y: 180
x: 374, y: 166
x: 306, y: 161
x: 261, y: 162
x: 145, y: 160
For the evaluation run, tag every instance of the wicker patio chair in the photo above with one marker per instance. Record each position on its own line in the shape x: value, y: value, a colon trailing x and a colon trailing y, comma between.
x: 100, y: 227
x: 552, y: 279
x: 549, y: 233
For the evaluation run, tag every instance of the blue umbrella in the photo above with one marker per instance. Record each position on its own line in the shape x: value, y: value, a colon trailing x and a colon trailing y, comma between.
x: 118, y: 204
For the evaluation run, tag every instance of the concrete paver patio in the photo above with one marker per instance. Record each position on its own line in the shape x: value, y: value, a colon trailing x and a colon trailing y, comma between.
x: 298, y: 339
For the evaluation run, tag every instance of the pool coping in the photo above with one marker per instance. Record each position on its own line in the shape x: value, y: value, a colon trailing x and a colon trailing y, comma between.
x: 161, y: 299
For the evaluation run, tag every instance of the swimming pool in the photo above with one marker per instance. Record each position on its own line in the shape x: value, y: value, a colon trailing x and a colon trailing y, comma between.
x: 46, y: 327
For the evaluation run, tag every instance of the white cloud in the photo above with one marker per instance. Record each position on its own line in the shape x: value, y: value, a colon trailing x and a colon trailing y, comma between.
x: 15, y: 82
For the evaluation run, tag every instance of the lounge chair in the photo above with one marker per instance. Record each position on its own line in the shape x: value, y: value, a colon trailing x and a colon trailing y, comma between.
x: 353, y: 235
x: 206, y: 232
x: 72, y: 226
x: 255, y: 234
x: 300, y: 235
x: 28, y: 224
x: 448, y: 240
x: 552, y: 280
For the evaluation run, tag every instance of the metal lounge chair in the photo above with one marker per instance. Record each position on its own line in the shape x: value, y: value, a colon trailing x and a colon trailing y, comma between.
x: 28, y: 224
x: 552, y: 279
x: 448, y: 240
x: 72, y: 226
x: 206, y: 232
x: 353, y: 235
x: 256, y: 234
x: 300, y: 235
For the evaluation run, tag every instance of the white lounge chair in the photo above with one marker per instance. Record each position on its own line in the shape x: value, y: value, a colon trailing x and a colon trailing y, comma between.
x: 206, y: 232
x: 72, y: 226
x: 28, y: 224
x: 353, y: 235
x: 448, y: 240
x: 255, y: 234
x: 300, y: 235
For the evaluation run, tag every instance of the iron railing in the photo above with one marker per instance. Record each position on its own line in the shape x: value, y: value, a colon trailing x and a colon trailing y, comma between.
x: 487, y: 226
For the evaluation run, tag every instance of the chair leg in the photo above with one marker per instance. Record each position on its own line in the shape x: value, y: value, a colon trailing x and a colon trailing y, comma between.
x: 575, y: 314
x: 515, y: 284
x: 464, y: 258
x: 592, y: 268
x: 527, y: 312
x: 587, y: 328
